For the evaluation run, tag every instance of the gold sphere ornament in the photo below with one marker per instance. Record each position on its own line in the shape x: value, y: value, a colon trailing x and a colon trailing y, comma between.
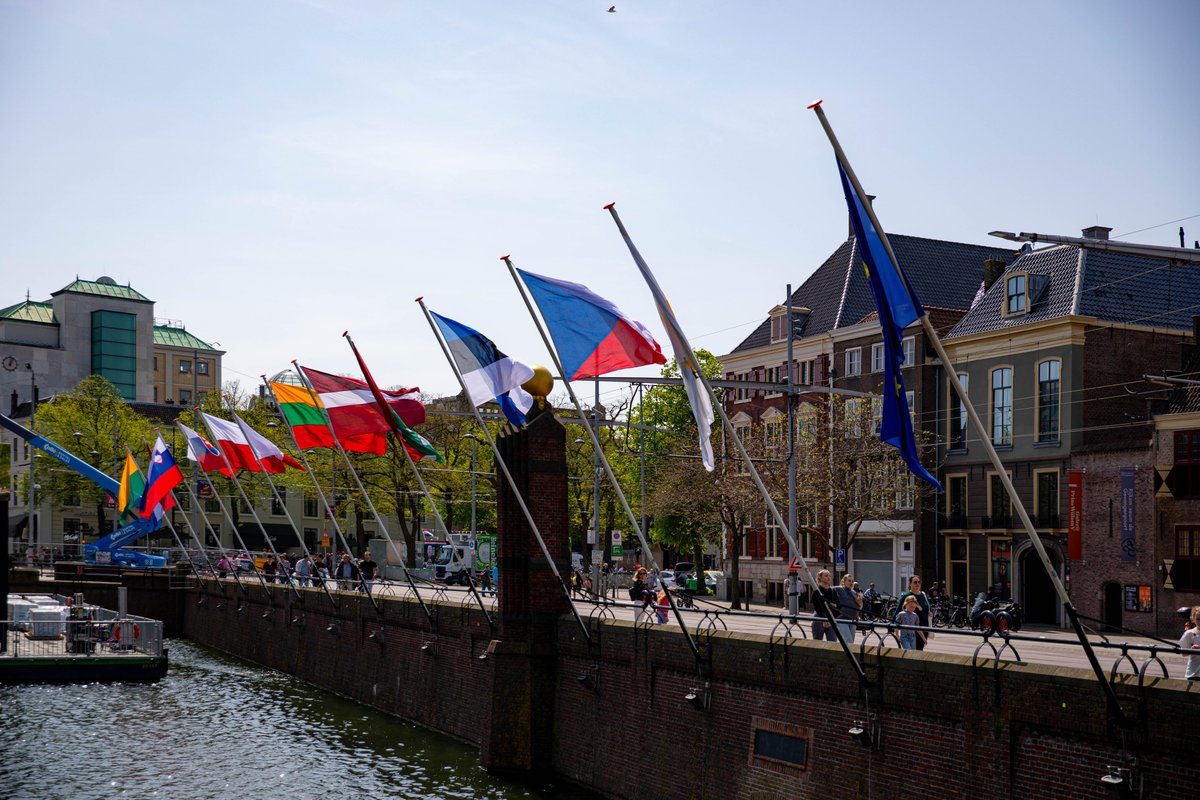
x: 540, y: 384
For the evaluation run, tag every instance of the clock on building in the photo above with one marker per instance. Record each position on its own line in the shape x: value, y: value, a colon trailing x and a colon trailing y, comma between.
x: 9, y: 363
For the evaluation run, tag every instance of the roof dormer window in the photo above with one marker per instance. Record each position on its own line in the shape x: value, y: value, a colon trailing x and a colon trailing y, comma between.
x: 1016, y: 300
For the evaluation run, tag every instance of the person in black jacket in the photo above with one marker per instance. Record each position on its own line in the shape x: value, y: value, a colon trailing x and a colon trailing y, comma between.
x: 346, y: 573
x: 823, y: 598
x: 367, y: 570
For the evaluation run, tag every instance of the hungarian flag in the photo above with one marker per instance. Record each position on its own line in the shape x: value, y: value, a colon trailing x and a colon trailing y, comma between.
x: 163, y: 476
x: 354, y: 414
x: 133, y: 486
x: 240, y: 444
x: 203, y: 452
x: 417, y: 445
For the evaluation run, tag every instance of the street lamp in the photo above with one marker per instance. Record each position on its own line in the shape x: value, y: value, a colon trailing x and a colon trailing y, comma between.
x: 474, y: 445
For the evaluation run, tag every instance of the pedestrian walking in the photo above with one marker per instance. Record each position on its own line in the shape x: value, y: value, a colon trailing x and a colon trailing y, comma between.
x: 823, y: 599
x: 1191, y: 641
x: 346, y: 573
x: 367, y: 569
x: 914, y: 590
x: 908, y: 616
x: 304, y: 570
x: 849, y: 604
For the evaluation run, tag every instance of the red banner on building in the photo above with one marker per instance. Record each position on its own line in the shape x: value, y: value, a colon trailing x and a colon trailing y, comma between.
x: 1075, y: 515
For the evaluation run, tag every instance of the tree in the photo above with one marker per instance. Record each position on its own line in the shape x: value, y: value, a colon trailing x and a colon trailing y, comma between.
x: 96, y: 425
x: 845, y: 470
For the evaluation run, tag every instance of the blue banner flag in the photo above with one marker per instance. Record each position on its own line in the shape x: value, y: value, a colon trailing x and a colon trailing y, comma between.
x: 898, y: 308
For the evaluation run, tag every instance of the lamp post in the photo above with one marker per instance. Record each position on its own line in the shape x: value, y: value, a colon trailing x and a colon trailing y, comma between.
x: 474, y: 445
x: 32, y: 526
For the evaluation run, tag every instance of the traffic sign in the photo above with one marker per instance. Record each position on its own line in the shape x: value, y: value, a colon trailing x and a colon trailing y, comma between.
x: 840, y: 558
x: 795, y: 565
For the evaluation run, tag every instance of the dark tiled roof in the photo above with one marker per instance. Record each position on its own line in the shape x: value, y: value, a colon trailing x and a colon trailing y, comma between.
x: 104, y: 289
x: 30, y: 311
x: 1108, y: 286
x: 169, y: 336
x: 943, y: 274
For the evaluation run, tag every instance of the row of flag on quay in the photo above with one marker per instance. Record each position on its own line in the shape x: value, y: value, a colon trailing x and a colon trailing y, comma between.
x: 592, y: 337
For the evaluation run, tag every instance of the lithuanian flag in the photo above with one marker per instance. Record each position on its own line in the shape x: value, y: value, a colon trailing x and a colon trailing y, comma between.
x: 133, y: 486
x: 304, y: 414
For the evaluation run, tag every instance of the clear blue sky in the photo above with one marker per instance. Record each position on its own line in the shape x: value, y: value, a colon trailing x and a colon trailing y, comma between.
x: 273, y: 173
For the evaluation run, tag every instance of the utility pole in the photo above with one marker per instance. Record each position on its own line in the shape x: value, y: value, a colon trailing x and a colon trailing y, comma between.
x: 793, y: 580
x: 598, y: 548
x: 31, y: 527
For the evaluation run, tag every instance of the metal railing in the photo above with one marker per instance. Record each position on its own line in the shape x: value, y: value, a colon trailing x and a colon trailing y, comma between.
x: 62, y: 631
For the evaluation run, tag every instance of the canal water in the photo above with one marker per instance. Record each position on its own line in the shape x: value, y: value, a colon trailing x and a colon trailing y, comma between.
x: 220, y: 727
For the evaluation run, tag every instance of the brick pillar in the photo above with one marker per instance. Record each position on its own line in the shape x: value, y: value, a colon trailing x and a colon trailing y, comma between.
x: 519, y: 731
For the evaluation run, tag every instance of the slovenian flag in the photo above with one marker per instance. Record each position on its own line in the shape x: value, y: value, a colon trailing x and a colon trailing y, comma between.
x: 593, y: 337
x: 202, y: 451
x: 487, y: 373
x: 162, y: 476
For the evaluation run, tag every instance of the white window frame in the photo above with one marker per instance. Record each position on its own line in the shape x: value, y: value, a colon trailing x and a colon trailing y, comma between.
x: 908, y: 345
x: 877, y: 356
x: 853, y: 361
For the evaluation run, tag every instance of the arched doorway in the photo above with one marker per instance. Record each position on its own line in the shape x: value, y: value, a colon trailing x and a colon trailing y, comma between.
x: 1039, y: 600
x: 1113, y: 606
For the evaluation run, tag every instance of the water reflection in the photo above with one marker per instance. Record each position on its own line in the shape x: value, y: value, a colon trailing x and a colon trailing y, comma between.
x: 216, y: 726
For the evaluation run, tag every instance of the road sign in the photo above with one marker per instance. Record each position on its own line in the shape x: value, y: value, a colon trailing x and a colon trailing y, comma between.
x: 597, y: 557
x: 840, y: 558
x: 616, y: 537
x: 618, y: 551
x: 795, y: 565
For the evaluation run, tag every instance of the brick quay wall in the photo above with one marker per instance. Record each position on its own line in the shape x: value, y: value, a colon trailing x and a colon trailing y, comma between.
x: 622, y: 726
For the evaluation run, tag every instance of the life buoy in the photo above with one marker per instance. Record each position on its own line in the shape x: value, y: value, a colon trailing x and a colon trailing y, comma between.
x: 137, y: 632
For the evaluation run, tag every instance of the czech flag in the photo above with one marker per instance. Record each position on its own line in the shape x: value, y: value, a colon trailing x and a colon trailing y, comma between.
x: 593, y: 336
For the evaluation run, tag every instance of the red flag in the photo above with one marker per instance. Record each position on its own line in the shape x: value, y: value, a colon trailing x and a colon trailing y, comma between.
x: 353, y: 412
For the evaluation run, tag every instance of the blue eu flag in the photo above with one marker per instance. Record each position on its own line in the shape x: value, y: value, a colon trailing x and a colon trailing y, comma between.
x: 898, y: 308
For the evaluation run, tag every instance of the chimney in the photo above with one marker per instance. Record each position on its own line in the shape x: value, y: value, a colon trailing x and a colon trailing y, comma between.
x: 993, y: 268
x: 850, y: 220
x: 1097, y: 232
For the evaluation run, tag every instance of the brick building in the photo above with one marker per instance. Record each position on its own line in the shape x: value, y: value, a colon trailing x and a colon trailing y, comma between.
x: 1054, y: 356
x: 836, y: 344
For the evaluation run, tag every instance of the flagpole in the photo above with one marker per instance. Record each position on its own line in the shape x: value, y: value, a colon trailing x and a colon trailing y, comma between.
x: 399, y: 441
x: 669, y: 318
x: 370, y: 503
x: 977, y: 423
x: 282, y: 504
x: 195, y: 500
x: 250, y: 505
x: 279, y: 499
x: 315, y: 482
x: 593, y: 434
x: 228, y: 516
x: 512, y: 483
x: 171, y: 527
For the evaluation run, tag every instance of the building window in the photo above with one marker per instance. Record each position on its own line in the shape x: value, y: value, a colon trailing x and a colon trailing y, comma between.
x: 310, y: 505
x: 185, y: 366
x: 114, y: 350
x: 156, y: 363
x: 956, y: 501
x: 877, y: 358
x: 1048, y: 400
x: 155, y: 397
x: 1185, y: 475
x: 277, y: 508
x: 876, y: 415
x: 999, y: 508
x: 1185, y: 572
x: 212, y: 505
x: 774, y: 535
x: 185, y: 501
x: 773, y: 430
x: 905, y: 490
x: 853, y: 418
x: 1015, y: 299
x: 1046, y: 501
x: 213, y: 537
x: 185, y: 397
x: 201, y: 367
x: 957, y: 566
x: 958, y: 415
x: 808, y: 371
x: 909, y: 346
x: 1002, y: 406
x: 854, y: 361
